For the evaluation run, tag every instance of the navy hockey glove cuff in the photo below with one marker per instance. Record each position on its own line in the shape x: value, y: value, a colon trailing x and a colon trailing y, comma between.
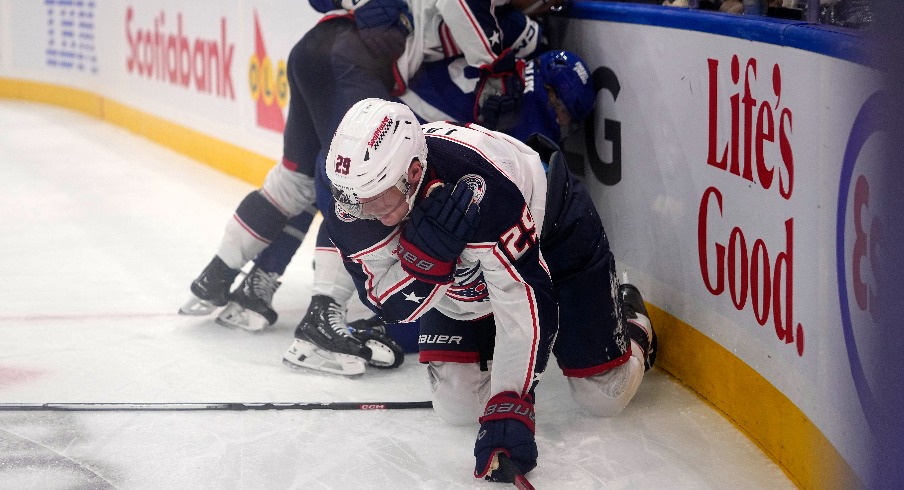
x: 437, y: 232
x: 384, y: 26
x: 504, y: 79
x: 507, y: 426
x: 324, y: 6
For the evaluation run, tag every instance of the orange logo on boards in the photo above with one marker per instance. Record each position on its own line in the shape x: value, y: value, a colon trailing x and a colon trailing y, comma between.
x: 269, y: 85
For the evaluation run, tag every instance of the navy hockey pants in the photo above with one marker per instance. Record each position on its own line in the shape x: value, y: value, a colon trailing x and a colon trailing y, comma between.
x: 329, y: 70
x: 591, y: 336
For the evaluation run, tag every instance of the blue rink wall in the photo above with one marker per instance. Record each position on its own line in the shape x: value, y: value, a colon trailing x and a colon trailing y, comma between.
x: 734, y: 161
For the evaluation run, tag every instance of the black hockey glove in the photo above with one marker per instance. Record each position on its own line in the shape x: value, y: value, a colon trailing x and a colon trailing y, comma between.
x: 503, y: 82
x: 386, y: 353
x: 437, y: 232
x: 500, y: 113
x: 507, y: 426
x: 384, y: 26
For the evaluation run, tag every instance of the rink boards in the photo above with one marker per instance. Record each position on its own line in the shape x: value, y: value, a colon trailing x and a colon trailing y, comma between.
x: 734, y: 162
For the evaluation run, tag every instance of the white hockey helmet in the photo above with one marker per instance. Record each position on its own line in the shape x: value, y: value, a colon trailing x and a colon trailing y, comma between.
x: 373, y: 146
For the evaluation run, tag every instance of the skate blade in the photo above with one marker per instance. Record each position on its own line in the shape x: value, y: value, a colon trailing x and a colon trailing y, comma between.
x: 197, y: 307
x: 381, y: 355
x: 647, y: 326
x: 304, y: 354
x: 234, y: 316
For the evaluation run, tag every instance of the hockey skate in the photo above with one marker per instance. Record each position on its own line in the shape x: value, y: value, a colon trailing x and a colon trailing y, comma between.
x: 210, y: 289
x: 640, y: 328
x: 323, y: 342
x: 250, y: 305
x: 386, y: 353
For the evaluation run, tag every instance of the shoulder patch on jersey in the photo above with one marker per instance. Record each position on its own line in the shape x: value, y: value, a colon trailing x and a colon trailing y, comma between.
x: 477, y: 184
x: 342, y: 214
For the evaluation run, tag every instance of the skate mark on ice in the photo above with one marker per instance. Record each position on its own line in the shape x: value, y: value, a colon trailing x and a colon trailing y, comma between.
x: 29, y: 457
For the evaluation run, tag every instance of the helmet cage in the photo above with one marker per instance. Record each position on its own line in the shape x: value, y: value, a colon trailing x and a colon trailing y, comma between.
x: 351, y: 203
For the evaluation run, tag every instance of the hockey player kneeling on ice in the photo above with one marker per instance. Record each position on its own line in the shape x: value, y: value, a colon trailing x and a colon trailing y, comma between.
x: 460, y: 227
x: 361, y: 52
x: 560, y: 96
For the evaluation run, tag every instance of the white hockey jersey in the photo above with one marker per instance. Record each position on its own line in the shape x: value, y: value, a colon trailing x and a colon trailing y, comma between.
x: 448, y: 28
x: 501, y: 271
x: 444, y: 28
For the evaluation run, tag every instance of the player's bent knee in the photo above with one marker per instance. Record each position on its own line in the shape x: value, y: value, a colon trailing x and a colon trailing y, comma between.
x: 259, y: 217
x: 606, y: 394
x: 459, y: 391
x: 290, y: 191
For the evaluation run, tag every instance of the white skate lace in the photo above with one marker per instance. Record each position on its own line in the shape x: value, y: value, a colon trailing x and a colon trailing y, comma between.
x: 264, y: 285
x: 336, y: 316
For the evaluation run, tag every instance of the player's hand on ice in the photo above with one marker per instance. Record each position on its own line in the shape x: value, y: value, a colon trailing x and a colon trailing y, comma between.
x: 437, y: 232
x: 384, y: 26
x: 500, y: 87
x: 507, y: 426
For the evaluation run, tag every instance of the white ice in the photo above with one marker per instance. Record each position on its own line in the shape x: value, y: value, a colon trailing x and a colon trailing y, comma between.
x: 102, y: 232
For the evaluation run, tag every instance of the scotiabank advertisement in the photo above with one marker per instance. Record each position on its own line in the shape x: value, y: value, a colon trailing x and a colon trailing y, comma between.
x: 216, y: 67
x: 741, y: 192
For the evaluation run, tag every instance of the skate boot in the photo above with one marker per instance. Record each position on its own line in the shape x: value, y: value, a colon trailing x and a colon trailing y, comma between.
x: 323, y: 342
x: 250, y: 305
x: 640, y: 329
x: 209, y: 290
x: 386, y: 353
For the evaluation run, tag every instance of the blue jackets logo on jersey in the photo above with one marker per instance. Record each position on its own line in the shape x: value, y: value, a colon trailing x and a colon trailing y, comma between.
x: 477, y: 185
x: 469, y: 286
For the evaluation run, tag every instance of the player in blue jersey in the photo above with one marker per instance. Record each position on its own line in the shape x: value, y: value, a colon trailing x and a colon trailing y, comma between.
x: 462, y: 229
x: 558, y: 96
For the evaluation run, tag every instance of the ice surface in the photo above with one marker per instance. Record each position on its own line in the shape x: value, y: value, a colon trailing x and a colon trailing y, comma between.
x: 102, y: 232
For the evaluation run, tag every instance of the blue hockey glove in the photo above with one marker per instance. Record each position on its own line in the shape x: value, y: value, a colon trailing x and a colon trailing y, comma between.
x: 437, y: 232
x: 384, y: 26
x: 324, y: 6
x: 507, y: 426
x: 503, y: 79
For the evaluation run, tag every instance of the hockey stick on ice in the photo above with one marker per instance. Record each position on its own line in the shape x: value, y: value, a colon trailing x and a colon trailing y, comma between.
x: 227, y: 406
x: 508, y: 471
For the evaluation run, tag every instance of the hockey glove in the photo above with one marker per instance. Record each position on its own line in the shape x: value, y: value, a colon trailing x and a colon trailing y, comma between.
x: 437, y: 232
x: 507, y: 426
x: 500, y: 113
x: 384, y: 26
x: 502, y: 80
x: 324, y: 6
x: 386, y: 353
